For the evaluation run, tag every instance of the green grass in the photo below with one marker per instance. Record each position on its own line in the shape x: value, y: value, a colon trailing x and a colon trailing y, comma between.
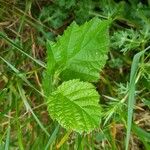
x: 25, y: 27
x: 134, y: 76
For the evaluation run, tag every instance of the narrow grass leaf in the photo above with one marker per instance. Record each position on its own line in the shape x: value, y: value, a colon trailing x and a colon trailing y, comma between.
x: 64, y: 139
x: 19, y: 129
x: 7, y: 139
x: 28, y: 107
x: 142, y: 135
x: 131, y: 98
x: 53, y: 137
x: 21, y: 50
x: 22, y: 76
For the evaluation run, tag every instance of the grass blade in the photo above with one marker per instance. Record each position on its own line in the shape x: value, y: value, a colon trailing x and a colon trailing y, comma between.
x: 21, y: 50
x: 7, y: 139
x: 19, y: 74
x: 52, y: 138
x: 28, y: 107
x: 142, y: 135
x: 131, y: 98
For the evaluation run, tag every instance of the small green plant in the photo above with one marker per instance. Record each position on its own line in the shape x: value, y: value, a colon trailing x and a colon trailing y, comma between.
x: 73, y: 64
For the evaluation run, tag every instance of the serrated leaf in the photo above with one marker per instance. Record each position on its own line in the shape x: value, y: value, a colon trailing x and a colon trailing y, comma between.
x: 82, y: 50
x: 75, y: 106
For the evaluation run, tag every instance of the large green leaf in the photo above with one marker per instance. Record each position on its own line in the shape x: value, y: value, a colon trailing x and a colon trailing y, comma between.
x: 75, y: 106
x: 82, y: 50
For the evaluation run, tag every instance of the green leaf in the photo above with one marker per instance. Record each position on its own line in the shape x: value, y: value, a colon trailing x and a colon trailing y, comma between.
x: 75, y: 106
x: 132, y: 88
x: 82, y: 50
x: 143, y: 135
x: 49, y: 72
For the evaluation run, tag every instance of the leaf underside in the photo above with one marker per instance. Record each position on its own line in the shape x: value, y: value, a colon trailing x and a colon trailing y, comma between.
x: 75, y: 106
x: 82, y: 50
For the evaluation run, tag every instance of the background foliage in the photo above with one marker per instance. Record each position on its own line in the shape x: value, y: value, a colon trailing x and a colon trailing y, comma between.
x: 25, y: 27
